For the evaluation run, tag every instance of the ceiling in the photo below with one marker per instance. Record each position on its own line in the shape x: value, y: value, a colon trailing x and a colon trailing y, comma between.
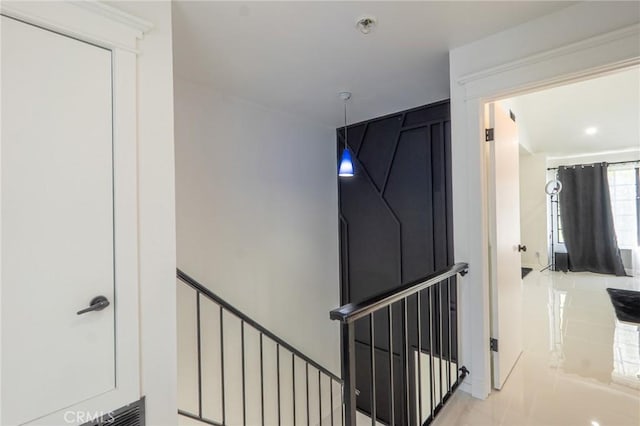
x: 296, y: 56
x: 554, y: 121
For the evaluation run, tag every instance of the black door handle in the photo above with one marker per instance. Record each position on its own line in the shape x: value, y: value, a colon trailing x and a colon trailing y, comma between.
x: 98, y: 303
x: 522, y: 248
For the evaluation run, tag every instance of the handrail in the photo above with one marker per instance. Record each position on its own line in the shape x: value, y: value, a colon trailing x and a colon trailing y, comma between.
x: 205, y: 291
x: 353, y: 311
x: 437, y: 351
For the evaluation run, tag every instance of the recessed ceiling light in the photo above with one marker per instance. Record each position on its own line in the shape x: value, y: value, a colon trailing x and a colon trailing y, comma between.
x: 591, y: 130
x: 594, y: 423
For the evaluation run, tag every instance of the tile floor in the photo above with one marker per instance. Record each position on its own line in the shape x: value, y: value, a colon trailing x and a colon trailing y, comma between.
x: 580, y: 366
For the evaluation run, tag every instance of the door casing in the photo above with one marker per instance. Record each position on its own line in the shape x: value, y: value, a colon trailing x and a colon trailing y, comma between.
x: 573, y: 62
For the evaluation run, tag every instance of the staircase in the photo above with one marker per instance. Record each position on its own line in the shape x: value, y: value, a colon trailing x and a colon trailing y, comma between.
x: 233, y: 371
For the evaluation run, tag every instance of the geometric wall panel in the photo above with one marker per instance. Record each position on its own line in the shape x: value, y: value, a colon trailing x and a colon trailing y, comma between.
x: 395, y: 224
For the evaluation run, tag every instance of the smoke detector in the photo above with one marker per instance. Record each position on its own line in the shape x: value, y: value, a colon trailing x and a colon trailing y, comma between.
x: 366, y: 24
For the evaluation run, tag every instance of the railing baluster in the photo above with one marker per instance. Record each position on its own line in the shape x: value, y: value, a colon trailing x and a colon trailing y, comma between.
x: 449, y: 334
x: 342, y: 405
x: 278, y: 380
x: 406, y: 360
x: 419, y: 384
x: 261, y: 383
x: 431, y: 378
x: 293, y: 379
x: 454, y: 341
x: 349, y: 373
x: 224, y: 418
x: 440, y: 336
x: 244, y: 385
x: 331, y: 399
x: 199, y: 343
x: 372, y: 358
x: 306, y: 367
x: 320, y: 397
x: 392, y: 409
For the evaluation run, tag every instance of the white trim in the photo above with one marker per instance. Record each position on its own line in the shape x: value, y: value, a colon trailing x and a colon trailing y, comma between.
x: 573, y: 77
x: 90, y: 21
x: 48, y: 25
x: 118, y: 15
x: 594, y: 154
x: 599, y: 40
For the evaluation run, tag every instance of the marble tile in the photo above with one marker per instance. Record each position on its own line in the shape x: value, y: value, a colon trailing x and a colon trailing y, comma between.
x: 580, y: 366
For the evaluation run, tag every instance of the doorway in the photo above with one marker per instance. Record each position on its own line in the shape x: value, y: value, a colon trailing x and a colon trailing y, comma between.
x: 503, y: 73
x: 581, y: 123
x: 598, y: 124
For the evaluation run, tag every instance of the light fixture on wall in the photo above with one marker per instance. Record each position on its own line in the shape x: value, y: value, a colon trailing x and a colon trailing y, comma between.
x: 346, y: 162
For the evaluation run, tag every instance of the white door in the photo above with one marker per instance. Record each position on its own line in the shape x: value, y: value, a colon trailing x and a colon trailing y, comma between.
x: 57, y: 222
x: 505, y: 270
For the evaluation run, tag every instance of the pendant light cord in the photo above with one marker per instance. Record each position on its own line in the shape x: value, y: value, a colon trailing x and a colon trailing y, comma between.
x: 346, y: 168
x: 346, y: 137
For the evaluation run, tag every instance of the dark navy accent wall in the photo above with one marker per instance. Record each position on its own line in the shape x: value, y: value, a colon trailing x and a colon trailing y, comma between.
x: 395, y: 228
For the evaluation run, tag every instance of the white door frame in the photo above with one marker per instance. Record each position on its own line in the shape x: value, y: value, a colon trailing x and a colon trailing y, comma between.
x: 605, y: 53
x: 108, y: 27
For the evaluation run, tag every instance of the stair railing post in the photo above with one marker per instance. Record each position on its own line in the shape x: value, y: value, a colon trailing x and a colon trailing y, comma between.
x: 349, y: 373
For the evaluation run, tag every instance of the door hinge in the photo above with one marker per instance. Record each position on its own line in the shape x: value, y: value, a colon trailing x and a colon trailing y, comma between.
x: 493, y: 344
x: 488, y: 134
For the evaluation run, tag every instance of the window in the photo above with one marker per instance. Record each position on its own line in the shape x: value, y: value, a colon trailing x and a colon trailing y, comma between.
x: 624, y: 192
x: 560, y: 239
x: 624, y: 187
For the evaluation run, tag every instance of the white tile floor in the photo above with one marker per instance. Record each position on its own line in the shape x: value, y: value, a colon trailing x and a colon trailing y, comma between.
x: 580, y: 366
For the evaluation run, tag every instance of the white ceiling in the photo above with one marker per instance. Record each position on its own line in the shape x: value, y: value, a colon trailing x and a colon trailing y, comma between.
x: 296, y: 56
x: 553, y: 121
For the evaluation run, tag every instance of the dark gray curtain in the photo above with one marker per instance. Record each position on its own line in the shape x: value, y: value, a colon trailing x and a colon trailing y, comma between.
x: 587, y: 220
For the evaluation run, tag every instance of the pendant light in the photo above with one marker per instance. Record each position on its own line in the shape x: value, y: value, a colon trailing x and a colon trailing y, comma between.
x: 346, y: 162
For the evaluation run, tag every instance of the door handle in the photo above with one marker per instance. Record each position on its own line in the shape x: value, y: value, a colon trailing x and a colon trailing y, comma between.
x: 98, y: 303
x: 522, y: 248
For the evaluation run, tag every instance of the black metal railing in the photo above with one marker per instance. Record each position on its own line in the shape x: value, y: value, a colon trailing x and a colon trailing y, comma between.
x: 295, y: 356
x: 425, y: 329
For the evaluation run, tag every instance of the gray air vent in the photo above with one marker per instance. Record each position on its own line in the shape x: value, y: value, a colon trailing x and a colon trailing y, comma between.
x: 129, y: 415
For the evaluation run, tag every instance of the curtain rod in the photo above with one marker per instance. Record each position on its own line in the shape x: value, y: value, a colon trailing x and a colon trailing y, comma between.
x: 609, y: 163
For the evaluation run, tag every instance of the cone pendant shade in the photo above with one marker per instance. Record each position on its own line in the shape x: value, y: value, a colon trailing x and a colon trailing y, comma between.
x: 346, y: 164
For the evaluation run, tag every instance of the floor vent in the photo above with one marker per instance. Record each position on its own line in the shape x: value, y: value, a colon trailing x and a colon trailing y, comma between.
x: 129, y: 415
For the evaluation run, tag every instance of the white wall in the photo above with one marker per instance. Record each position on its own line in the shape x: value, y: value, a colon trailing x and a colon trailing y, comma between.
x: 536, y: 54
x: 257, y: 214
x: 156, y: 204
x: 257, y: 223
x: 533, y: 209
